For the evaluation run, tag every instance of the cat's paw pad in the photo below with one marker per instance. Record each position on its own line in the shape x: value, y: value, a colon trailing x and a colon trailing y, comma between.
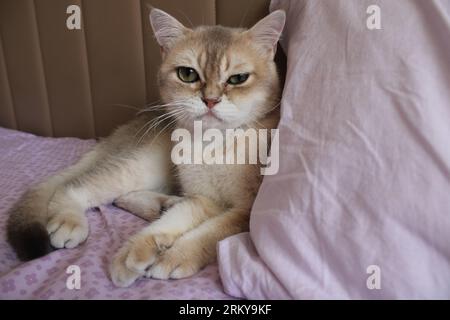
x: 67, y: 230
x: 121, y: 276
x: 175, y: 264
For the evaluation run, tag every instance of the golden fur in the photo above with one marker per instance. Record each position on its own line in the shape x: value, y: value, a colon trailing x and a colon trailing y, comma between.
x: 134, y: 170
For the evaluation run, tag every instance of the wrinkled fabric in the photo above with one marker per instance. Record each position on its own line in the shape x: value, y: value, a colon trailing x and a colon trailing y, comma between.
x: 26, y: 159
x: 363, y: 189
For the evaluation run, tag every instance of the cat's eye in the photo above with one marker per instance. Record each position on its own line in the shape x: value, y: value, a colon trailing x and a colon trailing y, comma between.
x: 187, y: 74
x: 238, y: 78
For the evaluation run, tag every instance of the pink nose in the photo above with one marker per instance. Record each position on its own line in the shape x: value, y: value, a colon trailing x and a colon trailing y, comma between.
x: 211, y: 102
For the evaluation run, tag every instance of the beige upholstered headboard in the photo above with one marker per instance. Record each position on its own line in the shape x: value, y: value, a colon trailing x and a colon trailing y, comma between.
x: 60, y: 82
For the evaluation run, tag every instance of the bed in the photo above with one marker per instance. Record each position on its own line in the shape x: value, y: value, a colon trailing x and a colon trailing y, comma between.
x: 26, y: 159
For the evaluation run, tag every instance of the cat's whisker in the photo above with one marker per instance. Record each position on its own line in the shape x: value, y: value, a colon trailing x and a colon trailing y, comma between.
x: 160, y: 106
x: 158, y: 121
x: 163, y: 129
x: 143, y: 108
x: 172, y: 113
x: 154, y: 123
x: 164, y: 104
x: 145, y: 125
x: 150, y: 123
x: 123, y: 106
x: 156, y: 108
x: 157, y: 101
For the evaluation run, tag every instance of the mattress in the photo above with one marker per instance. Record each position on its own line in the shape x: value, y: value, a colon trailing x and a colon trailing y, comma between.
x: 26, y: 159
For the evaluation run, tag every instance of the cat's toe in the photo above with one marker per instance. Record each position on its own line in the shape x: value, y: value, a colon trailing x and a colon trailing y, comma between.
x: 134, y: 258
x: 142, y: 253
x: 121, y: 276
x: 174, y: 264
x: 67, y: 230
x: 159, y: 271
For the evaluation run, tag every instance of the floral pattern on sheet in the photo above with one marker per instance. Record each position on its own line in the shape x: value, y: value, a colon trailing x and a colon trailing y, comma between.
x: 26, y: 159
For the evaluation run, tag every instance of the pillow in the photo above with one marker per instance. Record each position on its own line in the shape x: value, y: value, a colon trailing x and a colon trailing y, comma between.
x: 360, y: 208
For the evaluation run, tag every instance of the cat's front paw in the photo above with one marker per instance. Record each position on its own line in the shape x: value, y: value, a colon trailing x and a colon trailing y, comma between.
x: 67, y: 230
x: 137, y: 256
x: 121, y: 276
x: 182, y: 260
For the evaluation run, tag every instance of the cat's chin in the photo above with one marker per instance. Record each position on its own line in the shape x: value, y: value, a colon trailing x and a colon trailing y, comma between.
x: 210, y: 120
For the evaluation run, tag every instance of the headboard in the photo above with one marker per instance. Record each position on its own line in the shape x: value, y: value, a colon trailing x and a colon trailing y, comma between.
x: 60, y: 82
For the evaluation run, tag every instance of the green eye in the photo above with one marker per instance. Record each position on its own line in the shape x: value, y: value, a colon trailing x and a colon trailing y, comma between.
x: 238, y: 78
x: 186, y: 74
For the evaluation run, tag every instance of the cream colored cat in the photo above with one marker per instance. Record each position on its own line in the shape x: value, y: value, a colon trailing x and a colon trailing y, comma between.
x: 224, y: 77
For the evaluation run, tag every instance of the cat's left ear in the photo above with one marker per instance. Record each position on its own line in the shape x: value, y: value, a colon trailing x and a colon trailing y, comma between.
x: 166, y: 28
x: 267, y: 31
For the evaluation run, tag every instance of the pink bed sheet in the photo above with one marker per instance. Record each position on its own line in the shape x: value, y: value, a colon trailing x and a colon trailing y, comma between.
x: 26, y: 159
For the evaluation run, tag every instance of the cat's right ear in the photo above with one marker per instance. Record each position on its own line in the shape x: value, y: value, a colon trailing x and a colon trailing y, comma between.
x: 267, y: 31
x: 166, y: 28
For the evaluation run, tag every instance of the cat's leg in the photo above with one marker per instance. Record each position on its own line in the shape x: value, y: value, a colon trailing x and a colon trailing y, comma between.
x: 116, y: 166
x: 26, y: 227
x: 101, y: 184
x: 142, y: 250
x: 146, y: 204
x: 197, y: 248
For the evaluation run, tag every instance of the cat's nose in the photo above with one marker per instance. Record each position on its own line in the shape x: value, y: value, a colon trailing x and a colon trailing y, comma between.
x: 211, y: 102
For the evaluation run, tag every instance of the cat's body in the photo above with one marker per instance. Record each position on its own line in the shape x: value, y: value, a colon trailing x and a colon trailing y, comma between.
x: 134, y: 170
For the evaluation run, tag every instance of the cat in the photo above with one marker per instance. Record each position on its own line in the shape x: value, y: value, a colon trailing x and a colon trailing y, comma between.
x: 224, y: 77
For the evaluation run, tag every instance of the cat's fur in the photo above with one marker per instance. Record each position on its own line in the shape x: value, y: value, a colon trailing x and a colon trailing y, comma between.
x: 215, y: 200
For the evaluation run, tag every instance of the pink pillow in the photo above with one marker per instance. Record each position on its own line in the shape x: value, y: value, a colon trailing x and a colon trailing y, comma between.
x: 360, y: 208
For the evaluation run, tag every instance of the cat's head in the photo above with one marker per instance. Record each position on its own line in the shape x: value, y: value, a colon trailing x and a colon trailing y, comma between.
x: 225, y: 77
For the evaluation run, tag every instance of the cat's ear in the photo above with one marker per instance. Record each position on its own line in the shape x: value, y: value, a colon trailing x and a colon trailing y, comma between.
x: 267, y: 31
x: 166, y: 28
